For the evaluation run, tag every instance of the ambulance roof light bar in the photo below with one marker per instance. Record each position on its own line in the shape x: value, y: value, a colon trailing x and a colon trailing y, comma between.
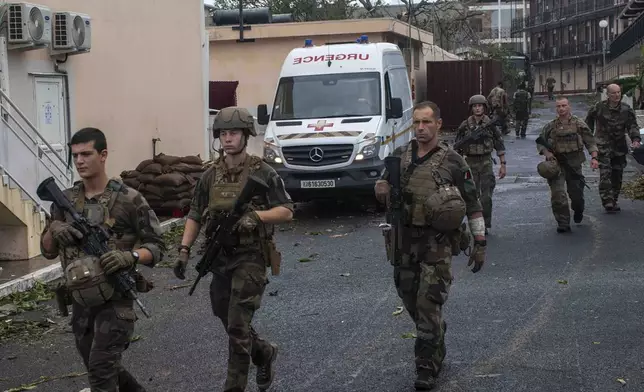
x: 308, y: 43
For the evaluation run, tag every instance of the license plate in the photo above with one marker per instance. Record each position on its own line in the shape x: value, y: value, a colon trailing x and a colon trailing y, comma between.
x: 317, y: 184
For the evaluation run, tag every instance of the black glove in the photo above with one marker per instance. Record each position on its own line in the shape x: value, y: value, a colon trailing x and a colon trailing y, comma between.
x: 64, y: 234
x: 181, y: 263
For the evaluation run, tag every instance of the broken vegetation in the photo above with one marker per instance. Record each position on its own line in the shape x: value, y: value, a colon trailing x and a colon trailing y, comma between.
x: 22, y: 315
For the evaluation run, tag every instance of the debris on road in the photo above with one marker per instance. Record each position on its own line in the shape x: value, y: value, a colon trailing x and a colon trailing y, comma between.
x: 634, y: 189
x: 44, y: 379
x: 399, y: 310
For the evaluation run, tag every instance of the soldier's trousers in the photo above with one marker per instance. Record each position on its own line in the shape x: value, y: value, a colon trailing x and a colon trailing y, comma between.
x: 483, y: 172
x: 102, y: 334
x: 551, y: 93
x: 521, y: 123
x: 235, y: 297
x: 503, y: 119
x: 611, y: 171
x: 423, y: 279
x: 563, y: 187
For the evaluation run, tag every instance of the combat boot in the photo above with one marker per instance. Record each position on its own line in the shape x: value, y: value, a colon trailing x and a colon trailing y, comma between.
x: 266, y: 372
x: 425, y: 380
x: 578, y: 217
x: 563, y: 229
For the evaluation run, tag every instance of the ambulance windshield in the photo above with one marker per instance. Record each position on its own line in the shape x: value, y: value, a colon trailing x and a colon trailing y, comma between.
x: 329, y: 95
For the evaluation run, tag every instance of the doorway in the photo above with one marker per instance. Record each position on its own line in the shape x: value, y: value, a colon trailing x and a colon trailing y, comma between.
x: 51, y: 110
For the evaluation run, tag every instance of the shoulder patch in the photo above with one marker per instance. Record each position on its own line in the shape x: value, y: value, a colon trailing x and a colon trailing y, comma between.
x: 467, y: 175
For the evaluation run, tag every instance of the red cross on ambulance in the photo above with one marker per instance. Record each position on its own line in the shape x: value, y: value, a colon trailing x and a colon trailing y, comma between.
x: 320, y: 125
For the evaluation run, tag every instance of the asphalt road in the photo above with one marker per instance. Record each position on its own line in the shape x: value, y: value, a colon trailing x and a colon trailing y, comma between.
x: 549, y: 312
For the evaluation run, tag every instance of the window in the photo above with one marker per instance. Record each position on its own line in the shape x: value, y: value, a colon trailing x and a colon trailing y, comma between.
x: 328, y: 95
x: 417, y: 54
x: 567, y: 77
x: 399, y: 84
x: 476, y: 25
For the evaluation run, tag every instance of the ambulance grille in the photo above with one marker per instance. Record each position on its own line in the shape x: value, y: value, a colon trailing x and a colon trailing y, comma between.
x: 331, y: 154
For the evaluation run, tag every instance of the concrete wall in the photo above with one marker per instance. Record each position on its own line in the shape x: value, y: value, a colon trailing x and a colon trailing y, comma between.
x: 143, y: 79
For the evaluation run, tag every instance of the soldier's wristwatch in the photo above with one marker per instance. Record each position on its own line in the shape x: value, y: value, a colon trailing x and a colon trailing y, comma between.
x: 136, y: 256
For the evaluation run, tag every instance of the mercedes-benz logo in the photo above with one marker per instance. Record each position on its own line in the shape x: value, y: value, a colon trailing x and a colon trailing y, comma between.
x: 316, y: 154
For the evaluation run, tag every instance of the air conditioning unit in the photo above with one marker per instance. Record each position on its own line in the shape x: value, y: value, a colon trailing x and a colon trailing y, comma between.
x: 28, y: 26
x: 72, y: 33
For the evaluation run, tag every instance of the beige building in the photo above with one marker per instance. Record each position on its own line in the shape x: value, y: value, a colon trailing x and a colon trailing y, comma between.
x: 256, y: 65
x: 567, y: 41
x: 139, y: 75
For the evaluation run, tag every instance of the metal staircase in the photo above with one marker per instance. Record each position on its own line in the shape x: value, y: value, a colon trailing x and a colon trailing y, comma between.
x: 26, y: 158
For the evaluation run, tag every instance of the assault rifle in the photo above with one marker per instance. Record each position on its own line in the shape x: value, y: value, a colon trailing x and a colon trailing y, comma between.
x: 563, y: 162
x: 223, y: 229
x: 477, y: 134
x: 95, y: 237
x: 395, y: 213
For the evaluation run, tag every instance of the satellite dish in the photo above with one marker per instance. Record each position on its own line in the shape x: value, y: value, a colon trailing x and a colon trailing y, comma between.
x: 36, y: 24
x: 78, y: 33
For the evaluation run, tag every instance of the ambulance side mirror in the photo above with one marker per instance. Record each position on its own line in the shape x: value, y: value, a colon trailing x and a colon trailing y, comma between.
x: 262, y: 114
x: 396, y: 110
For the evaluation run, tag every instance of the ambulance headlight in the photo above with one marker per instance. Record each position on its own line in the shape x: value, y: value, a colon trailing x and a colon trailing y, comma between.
x: 368, y: 151
x: 271, y: 154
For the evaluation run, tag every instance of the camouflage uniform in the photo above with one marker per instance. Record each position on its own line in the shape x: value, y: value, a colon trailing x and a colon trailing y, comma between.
x: 568, y: 137
x: 498, y: 100
x: 521, y: 102
x: 240, y: 271
x: 423, y: 274
x: 613, y: 123
x: 550, y: 85
x: 479, y: 158
x: 102, y: 333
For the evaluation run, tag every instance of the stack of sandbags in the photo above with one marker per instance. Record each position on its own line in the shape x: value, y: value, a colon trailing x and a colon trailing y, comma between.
x: 167, y: 182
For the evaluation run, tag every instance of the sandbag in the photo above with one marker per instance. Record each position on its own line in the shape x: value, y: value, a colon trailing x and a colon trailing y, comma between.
x: 177, y: 196
x: 143, y: 164
x: 147, y: 178
x: 132, y: 183
x: 130, y: 174
x: 186, y: 168
x: 166, y: 160
x: 152, y: 197
x: 172, y: 179
x: 176, y: 204
x: 196, y: 176
x: 192, y: 160
x: 153, y: 168
x: 171, y: 191
x: 151, y: 189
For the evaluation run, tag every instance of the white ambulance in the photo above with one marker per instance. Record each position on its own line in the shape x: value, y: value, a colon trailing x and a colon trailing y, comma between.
x: 335, y: 111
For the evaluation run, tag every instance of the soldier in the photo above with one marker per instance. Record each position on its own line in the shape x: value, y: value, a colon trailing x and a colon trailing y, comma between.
x: 521, y: 102
x: 531, y: 82
x: 614, y: 119
x: 550, y: 85
x: 239, y: 273
x: 102, y: 318
x: 568, y: 135
x: 439, y: 192
x: 478, y: 154
x: 498, y: 100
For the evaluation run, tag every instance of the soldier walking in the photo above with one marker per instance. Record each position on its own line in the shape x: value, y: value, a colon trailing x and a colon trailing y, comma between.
x: 239, y: 273
x: 498, y: 100
x: 550, y: 85
x: 521, y: 102
x: 102, y: 317
x: 439, y: 191
x: 568, y: 135
x: 614, y: 120
x: 478, y: 154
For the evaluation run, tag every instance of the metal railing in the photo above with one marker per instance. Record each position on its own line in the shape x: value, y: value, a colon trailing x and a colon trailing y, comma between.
x: 565, y: 13
x: 37, y: 204
x: 615, y: 72
x: 566, y: 50
x: 628, y: 38
x: 36, y: 144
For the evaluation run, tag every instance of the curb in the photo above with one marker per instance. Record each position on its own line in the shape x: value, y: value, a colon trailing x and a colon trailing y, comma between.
x: 55, y: 271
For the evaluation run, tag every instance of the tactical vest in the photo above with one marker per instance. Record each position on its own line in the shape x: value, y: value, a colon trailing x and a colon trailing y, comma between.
x: 84, y: 276
x: 521, y: 100
x: 430, y: 200
x: 224, y: 192
x: 483, y: 146
x: 566, y: 137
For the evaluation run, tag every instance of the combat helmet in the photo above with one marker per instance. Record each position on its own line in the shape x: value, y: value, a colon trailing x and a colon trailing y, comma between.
x: 549, y: 169
x: 478, y: 98
x: 234, y: 117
